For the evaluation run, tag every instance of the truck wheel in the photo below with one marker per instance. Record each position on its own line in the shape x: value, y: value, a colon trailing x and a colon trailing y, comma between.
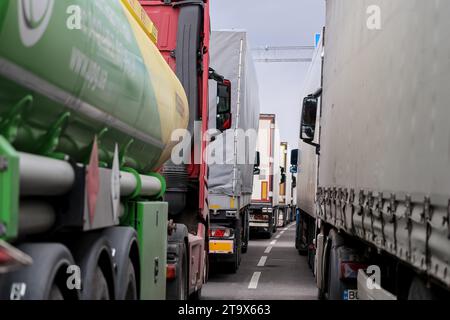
x: 240, y: 255
x: 123, y: 241
x: 301, y: 245
x: 55, y: 294
x: 183, y: 281
x: 131, y: 287
x: 196, y: 296
x: 275, y: 222
x: 178, y: 289
x: 234, y: 265
x: 50, y: 263
x: 100, y: 289
x: 93, y: 254
x: 268, y: 234
x: 244, y: 248
x: 303, y: 250
x: 246, y: 227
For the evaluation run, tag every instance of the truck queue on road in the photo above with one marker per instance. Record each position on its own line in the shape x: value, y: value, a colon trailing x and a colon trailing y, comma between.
x: 107, y: 193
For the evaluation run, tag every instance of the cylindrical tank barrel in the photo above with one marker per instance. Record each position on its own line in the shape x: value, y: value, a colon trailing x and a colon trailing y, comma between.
x: 42, y: 176
x: 150, y: 186
x: 35, y: 217
x: 60, y: 85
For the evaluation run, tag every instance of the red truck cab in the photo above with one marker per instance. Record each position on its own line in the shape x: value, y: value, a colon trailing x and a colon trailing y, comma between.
x: 183, y: 39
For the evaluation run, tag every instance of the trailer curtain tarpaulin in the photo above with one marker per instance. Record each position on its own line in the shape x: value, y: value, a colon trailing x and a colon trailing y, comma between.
x: 231, y: 57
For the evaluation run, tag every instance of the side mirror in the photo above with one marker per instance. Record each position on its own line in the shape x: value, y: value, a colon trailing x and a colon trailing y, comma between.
x: 309, y: 116
x: 283, y: 175
x: 224, y: 116
x: 294, y: 161
x: 294, y: 157
x: 256, y: 169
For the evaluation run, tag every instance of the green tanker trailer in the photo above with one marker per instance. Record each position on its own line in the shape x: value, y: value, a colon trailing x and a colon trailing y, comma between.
x: 87, y: 106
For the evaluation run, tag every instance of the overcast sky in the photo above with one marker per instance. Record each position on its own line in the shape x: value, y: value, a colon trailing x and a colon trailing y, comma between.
x: 275, y: 23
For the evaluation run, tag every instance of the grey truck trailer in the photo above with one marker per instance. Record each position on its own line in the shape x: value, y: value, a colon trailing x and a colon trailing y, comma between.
x: 233, y: 130
x: 374, y: 165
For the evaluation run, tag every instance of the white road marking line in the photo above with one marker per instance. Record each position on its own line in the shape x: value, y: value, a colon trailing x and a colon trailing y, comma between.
x: 268, y: 249
x: 281, y: 232
x: 254, y: 281
x: 278, y: 236
x: 262, y: 261
x: 273, y: 242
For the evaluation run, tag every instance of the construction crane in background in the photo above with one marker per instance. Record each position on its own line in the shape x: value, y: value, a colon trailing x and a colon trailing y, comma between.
x: 283, y: 54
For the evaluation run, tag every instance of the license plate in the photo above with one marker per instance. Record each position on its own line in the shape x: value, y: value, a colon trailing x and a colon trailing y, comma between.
x: 221, y: 246
x: 351, y: 295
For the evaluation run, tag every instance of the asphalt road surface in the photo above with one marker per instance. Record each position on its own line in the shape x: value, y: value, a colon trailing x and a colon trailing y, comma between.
x: 270, y: 270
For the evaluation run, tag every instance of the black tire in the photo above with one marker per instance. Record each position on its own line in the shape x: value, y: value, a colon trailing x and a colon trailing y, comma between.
x: 233, y: 266
x: 300, y: 243
x: 50, y: 263
x: 275, y: 220
x: 322, y: 292
x: 92, y: 253
x: 55, y: 294
x: 244, y: 248
x: 240, y: 254
x: 311, y: 253
x: 131, y: 292
x: 303, y: 250
x: 321, y: 295
x: 183, y: 289
x: 419, y: 291
x: 100, y: 288
x: 196, y: 296
x: 177, y: 289
x: 126, y: 260
x: 246, y: 233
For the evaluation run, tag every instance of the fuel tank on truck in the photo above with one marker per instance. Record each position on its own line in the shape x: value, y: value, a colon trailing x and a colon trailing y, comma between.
x: 71, y: 70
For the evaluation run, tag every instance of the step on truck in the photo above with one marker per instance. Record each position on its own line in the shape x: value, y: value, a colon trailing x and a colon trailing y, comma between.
x: 86, y: 117
x: 374, y: 171
x: 266, y: 184
x: 234, y: 119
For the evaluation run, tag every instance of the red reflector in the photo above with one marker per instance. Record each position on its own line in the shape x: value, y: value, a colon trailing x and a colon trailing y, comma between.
x: 349, y: 270
x: 12, y: 258
x: 219, y: 233
x: 171, y: 272
x: 4, y: 256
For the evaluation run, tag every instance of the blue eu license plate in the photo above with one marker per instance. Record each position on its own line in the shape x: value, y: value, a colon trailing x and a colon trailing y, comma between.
x: 350, y: 295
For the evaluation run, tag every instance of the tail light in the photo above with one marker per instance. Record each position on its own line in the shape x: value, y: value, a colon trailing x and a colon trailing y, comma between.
x: 220, y: 233
x: 171, y: 273
x: 263, y: 217
x: 12, y: 258
x: 349, y: 270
